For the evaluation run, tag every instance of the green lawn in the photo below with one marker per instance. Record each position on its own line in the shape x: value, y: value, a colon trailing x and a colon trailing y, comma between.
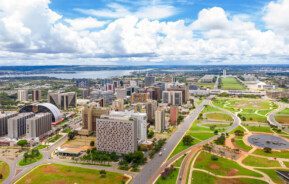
x: 254, y: 118
x: 285, y: 111
x: 231, y: 83
x: 260, y: 162
x: 30, y: 160
x: 241, y: 145
x: 179, y: 161
x: 218, y: 116
x: 55, y: 173
x: 4, y: 170
x: 171, y: 179
x: 265, y: 129
x: 206, y: 85
x: 275, y: 154
x: 222, y: 166
x: 54, y: 138
x: 204, y: 178
x: 210, y: 109
x: 202, y: 135
x: 180, y: 147
x: 264, y: 112
x: 273, y: 175
x: 41, y: 146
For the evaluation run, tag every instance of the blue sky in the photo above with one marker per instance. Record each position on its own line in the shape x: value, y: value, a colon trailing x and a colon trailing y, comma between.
x: 37, y: 32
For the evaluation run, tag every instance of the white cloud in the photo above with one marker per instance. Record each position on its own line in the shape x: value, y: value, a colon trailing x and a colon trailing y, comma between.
x: 115, y: 10
x: 214, y: 36
x: 277, y: 16
x: 85, y: 23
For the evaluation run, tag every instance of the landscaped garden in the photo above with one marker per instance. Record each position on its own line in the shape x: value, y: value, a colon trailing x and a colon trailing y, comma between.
x: 55, y: 173
x: 260, y: 162
x: 4, y: 171
x: 30, y: 157
x: 221, y: 166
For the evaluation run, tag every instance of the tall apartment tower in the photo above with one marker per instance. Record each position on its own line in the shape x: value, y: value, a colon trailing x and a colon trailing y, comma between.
x: 36, y: 95
x: 224, y: 73
x: 17, y: 125
x: 149, y: 80
x: 63, y: 100
x: 151, y: 107
x: 89, y: 115
x: 160, y: 120
x: 116, y: 135
x: 22, y: 95
x: 120, y: 93
x: 3, y: 122
x: 174, y: 113
x: 173, y: 97
x: 39, y: 125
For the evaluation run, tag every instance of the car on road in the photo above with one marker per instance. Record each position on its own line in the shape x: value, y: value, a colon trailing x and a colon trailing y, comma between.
x: 160, y: 153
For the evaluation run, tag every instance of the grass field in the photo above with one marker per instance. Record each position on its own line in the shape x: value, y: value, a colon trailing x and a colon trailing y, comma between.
x: 179, y: 162
x: 254, y: 118
x: 41, y: 146
x: 180, y: 147
x: 218, y: 116
x: 4, y: 170
x: 260, y: 162
x: 55, y: 173
x: 265, y: 129
x: 222, y: 166
x: 231, y: 83
x: 285, y: 111
x: 275, y: 154
x: 283, y: 119
x: 241, y: 145
x: 210, y: 109
x: 54, y: 138
x: 273, y: 175
x: 201, y: 177
x: 171, y: 179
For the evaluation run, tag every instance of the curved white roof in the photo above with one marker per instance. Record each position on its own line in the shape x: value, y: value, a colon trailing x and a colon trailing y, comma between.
x: 54, y: 110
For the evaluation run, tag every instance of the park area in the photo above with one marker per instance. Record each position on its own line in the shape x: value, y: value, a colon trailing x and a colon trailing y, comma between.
x: 4, y: 171
x: 55, y: 173
x: 231, y: 83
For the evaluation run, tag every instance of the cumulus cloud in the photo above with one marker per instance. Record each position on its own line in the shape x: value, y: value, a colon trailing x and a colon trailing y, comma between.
x: 135, y: 37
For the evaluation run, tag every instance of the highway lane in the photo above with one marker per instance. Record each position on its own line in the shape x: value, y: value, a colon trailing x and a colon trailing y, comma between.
x: 152, y: 168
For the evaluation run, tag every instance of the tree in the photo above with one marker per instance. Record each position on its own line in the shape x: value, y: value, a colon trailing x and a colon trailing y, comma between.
x: 216, y: 132
x: 102, y: 173
x: 91, y: 143
x: 214, y: 158
x: 267, y: 150
x: 1, y: 176
x: 71, y: 135
x: 239, y: 133
x: 22, y: 143
x: 221, y: 140
x: 150, y: 134
x: 188, y: 140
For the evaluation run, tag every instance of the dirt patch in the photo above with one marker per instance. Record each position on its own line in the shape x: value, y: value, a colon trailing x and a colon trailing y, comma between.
x: 228, y: 181
x: 232, y: 172
x: 214, y: 166
x: 50, y: 169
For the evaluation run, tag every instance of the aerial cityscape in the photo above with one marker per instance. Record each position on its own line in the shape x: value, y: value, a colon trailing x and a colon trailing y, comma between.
x: 144, y: 92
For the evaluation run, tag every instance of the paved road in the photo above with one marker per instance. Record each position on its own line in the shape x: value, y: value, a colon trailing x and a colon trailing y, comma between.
x: 148, y: 173
x: 271, y: 115
x: 216, y: 86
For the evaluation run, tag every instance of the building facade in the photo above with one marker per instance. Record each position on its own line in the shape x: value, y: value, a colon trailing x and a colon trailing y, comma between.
x: 36, y: 95
x: 174, y: 114
x: 116, y: 135
x: 17, y: 125
x: 139, y: 97
x: 22, y: 95
x: 3, y: 122
x: 63, y: 100
x: 39, y: 125
x: 160, y: 120
x: 151, y: 107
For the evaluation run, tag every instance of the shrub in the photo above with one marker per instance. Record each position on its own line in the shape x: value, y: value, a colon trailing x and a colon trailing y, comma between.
x: 214, y: 158
x: 267, y: 150
x: 188, y: 140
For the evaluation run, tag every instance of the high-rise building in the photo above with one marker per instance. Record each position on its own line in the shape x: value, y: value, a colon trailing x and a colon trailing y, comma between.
x: 17, y: 125
x: 154, y: 92
x: 116, y: 135
x: 224, y: 73
x: 120, y: 93
x: 118, y: 105
x: 149, y: 80
x: 63, y: 100
x: 151, y: 107
x: 183, y: 88
x: 3, y: 122
x: 39, y: 125
x: 89, y: 115
x: 36, y: 95
x: 160, y: 120
x: 174, y: 114
x: 173, y: 97
x: 139, y: 97
x: 22, y: 95
x: 139, y: 118
x: 109, y: 87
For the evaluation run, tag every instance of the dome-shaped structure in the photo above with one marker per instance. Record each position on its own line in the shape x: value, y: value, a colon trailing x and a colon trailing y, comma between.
x: 43, y: 107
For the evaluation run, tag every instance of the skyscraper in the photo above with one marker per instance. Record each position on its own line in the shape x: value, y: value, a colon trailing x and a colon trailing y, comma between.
x: 151, y: 107
x: 39, y: 125
x: 36, y: 95
x: 22, y: 95
x: 174, y: 113
x: 160, y: 120
x: 3, y: 122
x: 63, y: 100
x: 149, y: 80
